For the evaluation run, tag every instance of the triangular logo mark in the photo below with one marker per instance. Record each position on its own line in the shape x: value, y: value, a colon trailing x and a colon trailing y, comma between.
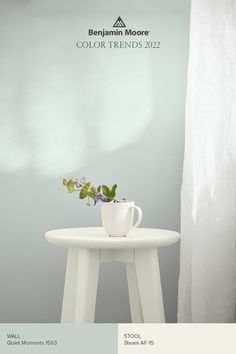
x: 119, y: 23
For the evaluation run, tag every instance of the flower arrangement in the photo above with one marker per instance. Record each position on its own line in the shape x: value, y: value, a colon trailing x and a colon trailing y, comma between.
x: 100, y: 194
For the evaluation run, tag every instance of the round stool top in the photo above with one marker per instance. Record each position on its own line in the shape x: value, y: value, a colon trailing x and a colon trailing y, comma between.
x: 96, y: 237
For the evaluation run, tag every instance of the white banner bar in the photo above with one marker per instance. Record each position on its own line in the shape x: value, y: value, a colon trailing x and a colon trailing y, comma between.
x: 176, y: 338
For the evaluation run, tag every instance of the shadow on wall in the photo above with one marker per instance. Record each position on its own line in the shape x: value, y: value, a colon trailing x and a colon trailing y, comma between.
x: 62, y: 105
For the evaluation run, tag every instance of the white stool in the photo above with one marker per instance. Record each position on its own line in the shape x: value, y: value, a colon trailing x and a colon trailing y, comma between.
x: 88, y: 247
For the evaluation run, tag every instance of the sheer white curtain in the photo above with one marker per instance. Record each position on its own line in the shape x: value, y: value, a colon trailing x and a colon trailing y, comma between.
x: 207, y: 284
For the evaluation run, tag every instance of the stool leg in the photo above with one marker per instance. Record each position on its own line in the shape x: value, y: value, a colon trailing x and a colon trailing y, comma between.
x: 68, y: 306
x: 149, y: 284
x: 80, y: 286
x: 86, y: 288
x: 134, y: 298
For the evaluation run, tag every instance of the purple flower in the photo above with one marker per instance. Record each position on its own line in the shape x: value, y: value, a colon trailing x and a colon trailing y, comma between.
x: 79, y: 182
x: 99, y: 197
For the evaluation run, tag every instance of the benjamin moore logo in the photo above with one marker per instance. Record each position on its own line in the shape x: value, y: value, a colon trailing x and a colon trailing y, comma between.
x: 119, y: 23
x: 118, y: 30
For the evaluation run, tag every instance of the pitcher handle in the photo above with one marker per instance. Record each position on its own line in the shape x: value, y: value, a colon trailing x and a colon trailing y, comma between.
x: 140, y: 215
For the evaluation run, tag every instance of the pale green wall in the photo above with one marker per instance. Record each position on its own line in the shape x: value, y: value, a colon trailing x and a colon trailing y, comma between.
x: 113, y: 116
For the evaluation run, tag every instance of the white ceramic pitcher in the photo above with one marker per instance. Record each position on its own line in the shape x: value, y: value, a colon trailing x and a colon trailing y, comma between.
x: 118, y: 217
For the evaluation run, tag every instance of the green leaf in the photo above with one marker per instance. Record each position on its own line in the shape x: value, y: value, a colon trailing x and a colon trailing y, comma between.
x: 93, y: 190
x: 82, y: 195
x: 87, y: 186
x: 99, y: 188
x: 89, y: 194
x: 106, y: 190
x: 64, y: 182
x: 113, y: 191
x: 70, y: 186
